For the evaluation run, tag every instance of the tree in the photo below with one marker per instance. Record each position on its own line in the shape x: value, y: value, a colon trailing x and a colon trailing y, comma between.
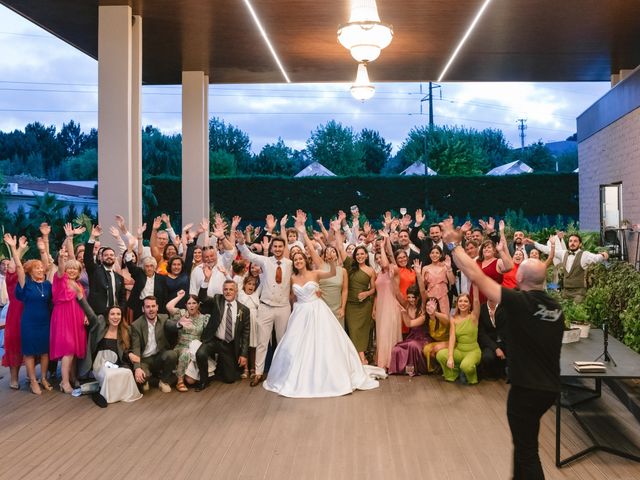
x: 453, y: 150
x: 161, y: 154
x: 537, y: 156
x: 222, y: 163
x: 71, y: 139
x: 42, y: 140
x: 334, y: 146
x: 375, y: 150
x: 276, y: 159
x: 228, y: 138
x: 82, y: 167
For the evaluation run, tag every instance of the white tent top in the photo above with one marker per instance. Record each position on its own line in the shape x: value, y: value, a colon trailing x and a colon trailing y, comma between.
x: 513, y: 168
x: 416, y: 168
x: 315, y: 169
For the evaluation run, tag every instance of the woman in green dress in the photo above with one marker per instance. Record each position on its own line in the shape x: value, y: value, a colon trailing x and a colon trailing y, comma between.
x: 190, y: 325
x: 464, y: 352
x: 334, y: 290
x: 360, y: 292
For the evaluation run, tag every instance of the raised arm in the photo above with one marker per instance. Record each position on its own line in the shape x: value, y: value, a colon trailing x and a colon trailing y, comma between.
x: 335, y: 226
x: 17, y: 257
x: 89, y: 262
x: 552, y: 251
x: 171, y: 306
x: 505, y: 262
x: 469, y: 267
x: 45, y: 230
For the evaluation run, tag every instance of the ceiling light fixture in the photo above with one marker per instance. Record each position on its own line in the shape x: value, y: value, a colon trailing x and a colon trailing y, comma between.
x: 365, y: 35
x: 362, y: 89
x: 266, y: 39
x: 464, y: 38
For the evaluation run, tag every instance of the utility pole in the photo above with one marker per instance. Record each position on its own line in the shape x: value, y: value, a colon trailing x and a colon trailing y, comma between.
x: 522, y: 126
x: 429, y: 98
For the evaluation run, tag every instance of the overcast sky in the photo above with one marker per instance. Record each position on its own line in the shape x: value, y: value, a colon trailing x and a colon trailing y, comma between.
x: 44, y: 79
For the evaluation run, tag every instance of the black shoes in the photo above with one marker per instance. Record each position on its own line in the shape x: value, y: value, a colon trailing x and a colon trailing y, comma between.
x: 99, y: 400
x: 201, y: 386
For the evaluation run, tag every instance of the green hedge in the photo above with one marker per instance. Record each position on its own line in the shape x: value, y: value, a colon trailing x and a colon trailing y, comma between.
x: 254, y: 197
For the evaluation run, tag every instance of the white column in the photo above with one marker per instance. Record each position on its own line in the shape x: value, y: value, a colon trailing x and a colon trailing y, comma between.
x: 195, y: 150
x: 136, y: 124
x: 115, y: 195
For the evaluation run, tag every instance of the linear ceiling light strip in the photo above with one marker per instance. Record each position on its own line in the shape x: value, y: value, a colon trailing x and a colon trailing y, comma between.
x: 266, y: 39
x: 464, y: 39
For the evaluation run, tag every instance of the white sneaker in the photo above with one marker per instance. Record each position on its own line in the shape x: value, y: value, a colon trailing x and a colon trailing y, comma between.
x: 164, y: 387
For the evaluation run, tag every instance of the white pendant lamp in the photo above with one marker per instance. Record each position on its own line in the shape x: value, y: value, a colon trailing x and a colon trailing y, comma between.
x: 362, y: 89
x: 365, y: 35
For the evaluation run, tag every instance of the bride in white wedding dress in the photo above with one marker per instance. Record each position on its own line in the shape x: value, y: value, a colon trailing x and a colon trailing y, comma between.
x: 315, y: 357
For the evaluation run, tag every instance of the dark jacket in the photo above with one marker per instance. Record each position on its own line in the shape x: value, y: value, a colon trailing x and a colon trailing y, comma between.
x: 140, y: 279
x: 489, y: 336
x: 100, y: 285
x: 214, y: 306
x: 140, y: 335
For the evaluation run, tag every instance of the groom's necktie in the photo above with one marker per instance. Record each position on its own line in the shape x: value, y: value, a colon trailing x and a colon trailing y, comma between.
x: 279, y: 272
x: 228, y: 328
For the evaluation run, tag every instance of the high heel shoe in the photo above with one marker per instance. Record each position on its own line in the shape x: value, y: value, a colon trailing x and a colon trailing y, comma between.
x: 46, y: 385
x: 35, y: 388
x: 66, y: 388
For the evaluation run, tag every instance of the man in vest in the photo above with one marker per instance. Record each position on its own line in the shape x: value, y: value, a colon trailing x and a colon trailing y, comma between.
x: 574, y: 264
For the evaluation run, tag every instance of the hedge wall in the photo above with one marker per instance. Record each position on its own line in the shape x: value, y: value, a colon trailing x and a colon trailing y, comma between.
x: 254, y: 197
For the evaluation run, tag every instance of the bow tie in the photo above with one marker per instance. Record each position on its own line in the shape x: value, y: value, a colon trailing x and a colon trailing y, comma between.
x: 572, y: 253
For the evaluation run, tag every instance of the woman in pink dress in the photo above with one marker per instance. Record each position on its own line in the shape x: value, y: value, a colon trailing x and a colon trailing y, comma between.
x: 12, y: 347
x: 68, y: 339
x: 437, y: 277
x: 386, y: 310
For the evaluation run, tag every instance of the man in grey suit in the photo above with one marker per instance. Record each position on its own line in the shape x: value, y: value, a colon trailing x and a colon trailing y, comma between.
x: 151, y: 353
x: 226, y: 334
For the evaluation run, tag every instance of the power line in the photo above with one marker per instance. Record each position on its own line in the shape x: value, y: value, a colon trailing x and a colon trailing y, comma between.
x: 359, y: 113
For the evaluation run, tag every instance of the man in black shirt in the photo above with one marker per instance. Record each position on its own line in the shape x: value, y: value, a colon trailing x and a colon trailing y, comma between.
x: 534, y: 326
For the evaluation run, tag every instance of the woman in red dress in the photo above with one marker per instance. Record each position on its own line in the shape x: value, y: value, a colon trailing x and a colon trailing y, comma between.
x: 12, y: 347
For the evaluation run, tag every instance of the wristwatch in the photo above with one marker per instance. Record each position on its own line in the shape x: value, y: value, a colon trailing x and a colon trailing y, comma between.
x: 452, y: 245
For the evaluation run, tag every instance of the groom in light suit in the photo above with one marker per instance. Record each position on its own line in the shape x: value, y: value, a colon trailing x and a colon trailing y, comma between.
x: 226, y: 334
x: 274, y: 309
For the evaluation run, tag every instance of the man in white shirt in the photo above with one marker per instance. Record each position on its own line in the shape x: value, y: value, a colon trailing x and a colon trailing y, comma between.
x: 151, y: 354
x: 220, y: 265
x: 275, y: 308
x: 574, y: 264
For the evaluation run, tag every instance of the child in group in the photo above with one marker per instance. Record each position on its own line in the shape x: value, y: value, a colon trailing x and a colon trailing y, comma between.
x: 249, y: 296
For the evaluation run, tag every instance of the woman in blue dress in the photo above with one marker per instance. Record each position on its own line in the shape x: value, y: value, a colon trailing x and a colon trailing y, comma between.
x: 35, y: 292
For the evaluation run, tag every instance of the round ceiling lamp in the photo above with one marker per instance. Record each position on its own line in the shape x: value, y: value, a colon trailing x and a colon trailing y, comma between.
x: 365, y: 35
x: 362, y: 89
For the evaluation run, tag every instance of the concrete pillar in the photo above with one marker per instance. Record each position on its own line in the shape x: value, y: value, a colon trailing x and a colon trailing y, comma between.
x: 115, y: 194
x: 136, y: 124
x: 195, y: 147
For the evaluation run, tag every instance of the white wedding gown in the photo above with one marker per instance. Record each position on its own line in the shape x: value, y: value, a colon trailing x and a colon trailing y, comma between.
x: 315, y: 357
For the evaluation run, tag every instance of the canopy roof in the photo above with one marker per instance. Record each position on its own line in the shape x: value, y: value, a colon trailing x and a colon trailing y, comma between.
x: 515, y: 40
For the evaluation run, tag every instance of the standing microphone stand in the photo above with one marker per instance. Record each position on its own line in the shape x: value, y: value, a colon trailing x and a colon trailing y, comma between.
x: 605, y: 353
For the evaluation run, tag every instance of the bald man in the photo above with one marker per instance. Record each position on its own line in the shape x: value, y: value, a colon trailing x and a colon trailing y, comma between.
x: 534, y: 326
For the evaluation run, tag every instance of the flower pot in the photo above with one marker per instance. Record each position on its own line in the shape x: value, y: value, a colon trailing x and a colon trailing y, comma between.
x: 584, y: 329
x: 571, y: 336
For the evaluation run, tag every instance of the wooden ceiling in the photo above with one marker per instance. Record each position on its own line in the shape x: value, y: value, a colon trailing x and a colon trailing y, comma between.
x: 515, y: 40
